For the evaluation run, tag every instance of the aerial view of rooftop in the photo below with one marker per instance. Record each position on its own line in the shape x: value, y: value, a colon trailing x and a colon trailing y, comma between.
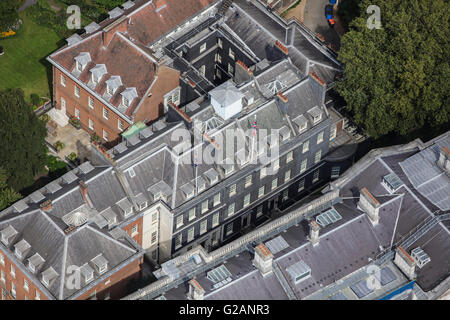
x: 241, y: 151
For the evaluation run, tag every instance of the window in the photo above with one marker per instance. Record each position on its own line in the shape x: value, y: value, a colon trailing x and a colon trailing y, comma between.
x: 248, y: 180
x: 13, y: 272
x: 230, y: 68
x: 191, y: 214
x: 13, y: 290
x: 91, y: 102
x: 154, y: 218
x: 26, y: 286
x: 259, y: 211
x: 63, y: 104
x: 2, y: 260
x: 203, y: 226
x: 301, y: 185
x: 105, y: 113
x: 77, y: 92
x: 2, y: 276
x: 178, y: 240
x: 63, y: 81
x: 333, y: 133
x: 316, y: 176
x: 247, y: 200
x: 320, y: 137
x: 215, y: 220
x: 335, y: 171
x: 203, y: 47
x: 287, y: 176
x: 285, y: 195
x: 190, y: 234
x: 3, y: 294
x: 105, y: 135
x: 125, y: 101
x: 230, y: 209
x: 220, y: 43
x: 263, y: 173
x: 120, y: 124
x: 179, y: 221
x: 274, y: 183
x: 79, y: 66
x: 93, y: 295
x: 154, y: 237
x: 77, y: 113
x: 276, y: 165
x: 216, y: 199
x: 305, y: 146
x: 38, y: 296
x: 218, y: 58
x: 143, y: 205
x: 232, y: 190
x: 318, y: 156
x: 107, y: 296
x: 134, y: 230
x: 218, y: 74
x: 231, y: 54
x: 110, y: 90
x: 317, y: 118
x: 91, y: 124
x: 203, y: 70
x: 229, y: 229
x: 261, y: 191
x: 303, y: 166
x: 289, y: 156
x: 204, y: 206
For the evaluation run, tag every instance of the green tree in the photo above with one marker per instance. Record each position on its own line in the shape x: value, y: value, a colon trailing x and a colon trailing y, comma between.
x: 396, y: 78
x: 23, y: 152
x: 7, y: 195
x: 8, y: 13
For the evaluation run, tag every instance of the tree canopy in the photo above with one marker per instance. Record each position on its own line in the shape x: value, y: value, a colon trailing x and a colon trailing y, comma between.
x: 23, y: 152
x: 396, y: 78
x: 7, y: 195
x: 8, y: 13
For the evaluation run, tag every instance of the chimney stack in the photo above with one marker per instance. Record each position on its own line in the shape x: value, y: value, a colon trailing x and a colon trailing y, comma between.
x: 282, y: 102
x: 314, y: 232
x: 369, y: 205
x: 196, y: 292
x: 444, y: 160
x: 263, y: 259
x: 405, y: 262
x: 84, y: 190
x: 46, y: 205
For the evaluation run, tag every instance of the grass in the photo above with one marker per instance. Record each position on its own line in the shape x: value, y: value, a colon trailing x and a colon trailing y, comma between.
x: 23, y: 65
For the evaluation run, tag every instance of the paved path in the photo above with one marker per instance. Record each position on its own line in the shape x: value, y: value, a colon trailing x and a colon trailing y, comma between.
x: 314, y: 19
x: 28, y: 3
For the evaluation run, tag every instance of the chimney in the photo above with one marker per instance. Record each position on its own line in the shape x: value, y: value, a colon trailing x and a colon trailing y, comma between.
x: 242, y: 73
x: 84, y: 190
x: 46, y: 206
x: 314, y: 232
x: 369, y: 205
x: 444, y: 160
x: 196, y: 292
x: 119, y: 25
x: 282, y: 101
x: 405, y: 262
x: 281, y: 47
x: 263, y: 259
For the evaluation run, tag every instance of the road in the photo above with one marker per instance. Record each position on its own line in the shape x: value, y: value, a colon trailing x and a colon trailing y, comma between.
x: 314, y: 19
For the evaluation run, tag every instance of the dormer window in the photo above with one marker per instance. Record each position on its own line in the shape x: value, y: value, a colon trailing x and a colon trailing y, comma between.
x: 317, y: 118
x: 81, y: 61
x: 20, y: 248
x: 110, y: 90
x: 98, y: 72
x: 7, y: 234
x: 100, y: 263
x: 128, y: 95
x: 87, y: 272
x: 79, y: 66
x: 143, y: 205
x: 48, y: 275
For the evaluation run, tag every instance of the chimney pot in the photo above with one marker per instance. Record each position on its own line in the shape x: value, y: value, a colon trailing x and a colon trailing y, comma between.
x: 46, y: 205
x: 263, y: 259
x: 314, y: 229
x: 369, y: 205
x: 196, y: 292
x: 405, y: 262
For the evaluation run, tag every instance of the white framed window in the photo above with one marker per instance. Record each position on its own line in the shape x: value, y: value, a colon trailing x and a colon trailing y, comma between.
x: 37, y: 296
x: 13, y: 290
x: 125, y: 101
x: 203, y: 226
x: 2, y: 259
x: 3, y: 294
x: 276, y: 165
x: 248, y: 180
x: 333, y: 133
x: 318, y: 156
x: 261, y: 191
x: 203, y: 47
x: 230, y: 68
x: 305, y: 146
x: 77, y: 91
x: 105, y: 135
x: 229, y: 229
x: 215, y: 220
x: 317, y: 118
x: 303, y: 165
x: 216, y: 199
x: 220, y: 43
x: 120, y: 124
x: 218, y: 58
x: 178, y: 241
x: 190, y: 234
x: 79, y: 66
x: 232, y: 190
x: 154, y: 237
x: 263, y: 173
x: 303, y: 127
x: 247, y: 200
x: 134, y: 230
x: 77, y: 113
x: 320, y: 137
x: 285, y: 195
x: 13, y: 272
x: 63, y: 103
x: 316, y: 176
x: 179, y: 221
x: 26, y: 286
x: 204, y: 206
x: 335, y: 172
x: 290, y: 156
x: 191, y: 214
x: 91, y: 102
x: 110, y: 90
x: 231, y: 54
x: 287, y: 176
x: 91, y: 124
x: 63, y: 81
x: 203, y: 70
x: 105, y: 113
x: 230, y: 211
x: 274, y: 183
x: 301, y: 185
x: 259, y: 211
x: 2, y: 276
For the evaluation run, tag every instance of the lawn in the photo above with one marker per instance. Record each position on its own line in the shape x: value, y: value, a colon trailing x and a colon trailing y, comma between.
x: 23, y: 65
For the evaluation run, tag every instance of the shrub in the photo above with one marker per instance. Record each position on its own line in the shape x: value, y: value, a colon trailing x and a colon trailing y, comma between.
x: 72, y: 156
x: 45, y: 117
x: 95, y: 138
x: 59, y: 145
x: 34, y: 99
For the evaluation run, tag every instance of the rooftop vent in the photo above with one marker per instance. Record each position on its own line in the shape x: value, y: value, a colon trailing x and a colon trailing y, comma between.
x: 100, y: 263
x: 159, y: 125
x: 121, y: 147
x: 53, y: 186
x: 299, y: 271
x: 420, y: 257
x: 37, y: 196
x: 75, y: 38
x: 91, y: 28
x: 35, y: 262
x: 116, y: 12
x: 69, y: 177
x: 86, y: 167
x: 8, y: 234
x: 133, y: 140
x: 21, y: 248
x: 20, y: 205
x: 48, y: 276
x: 127, y: 5
x: 145, y: 133
x: 392, y: 182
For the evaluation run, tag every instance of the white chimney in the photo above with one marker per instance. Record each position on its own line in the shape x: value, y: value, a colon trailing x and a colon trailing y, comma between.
x: 369, y: 205
x: 263, y: 259
x: 444, y: 160
x: 405, y: 262
x: 196, y: 292
x: 314, y: 232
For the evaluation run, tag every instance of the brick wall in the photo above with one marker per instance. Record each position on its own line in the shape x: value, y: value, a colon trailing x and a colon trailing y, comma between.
x: 137, y: 237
